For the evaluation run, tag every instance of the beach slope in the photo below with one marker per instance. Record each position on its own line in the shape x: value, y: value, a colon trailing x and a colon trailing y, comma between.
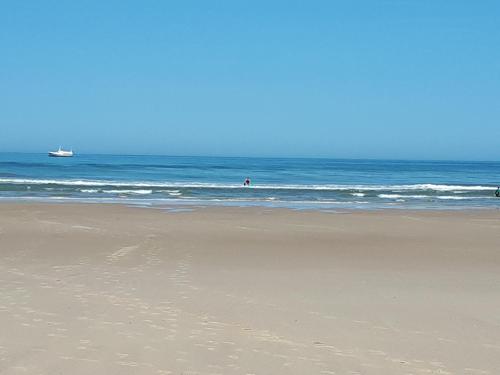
x: 109, y: 289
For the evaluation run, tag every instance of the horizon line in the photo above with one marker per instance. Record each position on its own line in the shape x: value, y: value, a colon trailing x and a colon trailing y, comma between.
x: 264, y: 157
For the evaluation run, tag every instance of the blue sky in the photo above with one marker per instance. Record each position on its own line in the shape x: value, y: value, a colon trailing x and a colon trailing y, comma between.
x: 408, y: 79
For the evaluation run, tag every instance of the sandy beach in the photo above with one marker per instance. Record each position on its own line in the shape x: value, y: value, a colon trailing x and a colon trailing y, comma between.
x: 109, y: 289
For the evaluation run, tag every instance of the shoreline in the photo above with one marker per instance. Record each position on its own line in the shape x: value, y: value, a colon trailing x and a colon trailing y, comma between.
x: 464, y: 213
x: 220, y: 290
x: 194, y: 205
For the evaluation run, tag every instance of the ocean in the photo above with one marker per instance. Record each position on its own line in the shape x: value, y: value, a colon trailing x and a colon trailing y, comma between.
x: 275, y: 182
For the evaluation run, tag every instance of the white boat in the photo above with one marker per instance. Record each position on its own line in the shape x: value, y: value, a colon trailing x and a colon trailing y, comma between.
x: 61, y: 153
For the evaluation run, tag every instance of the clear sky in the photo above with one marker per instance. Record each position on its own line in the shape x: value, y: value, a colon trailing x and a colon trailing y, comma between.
x: 406, y: 79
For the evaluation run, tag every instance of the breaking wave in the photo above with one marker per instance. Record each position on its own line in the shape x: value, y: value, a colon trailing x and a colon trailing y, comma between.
x: 206, y: 185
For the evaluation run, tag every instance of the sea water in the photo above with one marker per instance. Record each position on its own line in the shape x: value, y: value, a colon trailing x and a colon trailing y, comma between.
x: 275, y: 182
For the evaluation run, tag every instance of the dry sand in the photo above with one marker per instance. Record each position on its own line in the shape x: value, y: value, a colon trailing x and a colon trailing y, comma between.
x: 90, y: 289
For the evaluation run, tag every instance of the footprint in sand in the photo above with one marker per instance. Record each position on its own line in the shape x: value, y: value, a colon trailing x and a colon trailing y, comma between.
x: 122, y: 252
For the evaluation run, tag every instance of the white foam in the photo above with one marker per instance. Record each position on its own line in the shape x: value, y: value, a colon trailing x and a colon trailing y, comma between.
x: 140, y: 192
x: 166, y: 184
x: 399, y: 196
x: 358, y: 194
x: 89, y: 190
x: 447, y: 187
x: 454, y: 197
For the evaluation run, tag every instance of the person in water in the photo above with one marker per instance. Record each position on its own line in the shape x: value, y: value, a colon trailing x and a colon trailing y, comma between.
x: 247, y: 182
x: 497, y: 193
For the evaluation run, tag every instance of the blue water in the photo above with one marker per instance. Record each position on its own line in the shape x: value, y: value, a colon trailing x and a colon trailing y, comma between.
x: 294, y: 183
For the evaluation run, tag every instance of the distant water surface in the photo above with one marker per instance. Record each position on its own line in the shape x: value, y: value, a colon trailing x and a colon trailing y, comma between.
x: 276, y: 182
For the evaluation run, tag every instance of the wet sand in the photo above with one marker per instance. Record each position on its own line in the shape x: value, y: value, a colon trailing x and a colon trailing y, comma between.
x: 109, y: 289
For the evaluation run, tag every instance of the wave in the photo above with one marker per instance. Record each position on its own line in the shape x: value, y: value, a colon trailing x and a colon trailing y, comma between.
x: 89, y: 190
x: 173, y: 193
x: 207, y: 185
x: 447, y: 187
x: 139, y: 192
x: 400, y: 196
x: 457, y: 198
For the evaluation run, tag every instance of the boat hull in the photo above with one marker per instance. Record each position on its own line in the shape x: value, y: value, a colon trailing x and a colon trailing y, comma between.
x: 60, y: 155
